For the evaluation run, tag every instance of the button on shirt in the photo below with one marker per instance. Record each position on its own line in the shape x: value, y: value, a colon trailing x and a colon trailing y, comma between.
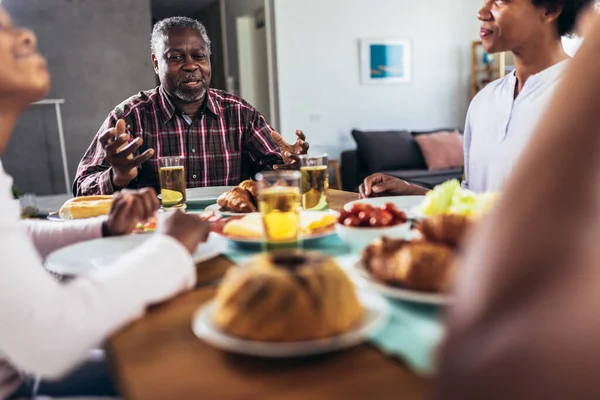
x: 229, y: 141
x: 498, y: 126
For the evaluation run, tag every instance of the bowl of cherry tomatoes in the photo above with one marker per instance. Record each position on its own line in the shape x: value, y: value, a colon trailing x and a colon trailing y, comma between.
x: 360, y: 224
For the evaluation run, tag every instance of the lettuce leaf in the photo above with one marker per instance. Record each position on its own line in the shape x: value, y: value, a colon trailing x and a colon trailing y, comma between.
x: 451, y: 198
x: 439, y: 200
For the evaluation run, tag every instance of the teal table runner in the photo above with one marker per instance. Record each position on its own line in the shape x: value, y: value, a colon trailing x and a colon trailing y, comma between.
x: 413, y: 331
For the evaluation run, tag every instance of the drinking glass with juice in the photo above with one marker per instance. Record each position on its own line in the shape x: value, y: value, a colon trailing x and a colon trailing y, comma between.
x: 171, y: 174
x: 279, y: 202
x: 315, y: 182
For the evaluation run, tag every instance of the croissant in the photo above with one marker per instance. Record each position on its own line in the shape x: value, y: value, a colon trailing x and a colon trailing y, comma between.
x: 236, y: 200
x: 447, y: 229
x: 426, y: 266
x: 414, y: 265
x: 252, y: 188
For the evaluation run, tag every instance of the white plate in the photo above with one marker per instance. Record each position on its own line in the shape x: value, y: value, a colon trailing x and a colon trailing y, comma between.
x: 254, y: 242
x: 200, y: 197
x: 258, y: 242
x: 376, y: 316
x: 399, y: 293
x: 82, y: 258
x: 404, y: 203
x: 217, y: 208
x: 53, y: 216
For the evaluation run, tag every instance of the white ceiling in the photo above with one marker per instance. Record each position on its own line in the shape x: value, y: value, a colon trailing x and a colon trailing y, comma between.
x: 168, y: 8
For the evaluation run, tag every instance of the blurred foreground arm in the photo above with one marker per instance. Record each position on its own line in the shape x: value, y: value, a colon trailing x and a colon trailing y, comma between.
x: 526, y: 321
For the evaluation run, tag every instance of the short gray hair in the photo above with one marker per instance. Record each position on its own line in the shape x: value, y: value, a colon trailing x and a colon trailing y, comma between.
x: 161, y: 30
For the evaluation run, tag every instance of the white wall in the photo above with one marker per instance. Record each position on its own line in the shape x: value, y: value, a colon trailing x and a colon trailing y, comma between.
x: 318, y: 66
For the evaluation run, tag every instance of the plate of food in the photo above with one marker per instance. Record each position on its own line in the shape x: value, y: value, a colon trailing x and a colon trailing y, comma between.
x: 84, y: 257
x: 224, y: 212
x: 418, y: 270
x: 239, y: 200
x: 360, y: 223
x: 404, y: 203
x: 83, y: 207
x: 152, y: 224
x: 248, y: 230
x: 289, y: 304
x: 450, y: 198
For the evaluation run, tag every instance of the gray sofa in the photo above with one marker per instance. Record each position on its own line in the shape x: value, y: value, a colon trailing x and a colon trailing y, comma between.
x: 395, y: 153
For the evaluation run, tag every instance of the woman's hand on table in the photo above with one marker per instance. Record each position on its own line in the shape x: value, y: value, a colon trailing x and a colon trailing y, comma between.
x: 129, y: 208
x: 386, y: 185
x: 188, y: 229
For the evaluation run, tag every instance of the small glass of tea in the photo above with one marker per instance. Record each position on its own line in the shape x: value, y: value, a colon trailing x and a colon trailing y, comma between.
x: 279, y: 202
x: 315, y: 182
x: 171, y: 173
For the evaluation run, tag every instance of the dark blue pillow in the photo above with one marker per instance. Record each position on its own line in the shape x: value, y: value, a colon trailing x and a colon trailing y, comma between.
x: 388, y: 150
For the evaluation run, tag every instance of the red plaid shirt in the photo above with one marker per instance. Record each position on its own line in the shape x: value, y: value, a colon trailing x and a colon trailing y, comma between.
x: 228, y: 142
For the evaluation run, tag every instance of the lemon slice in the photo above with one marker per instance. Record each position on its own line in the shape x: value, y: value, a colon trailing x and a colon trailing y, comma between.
x: 282, y: 226
x: 170, y: 197
x: 325, y: 222
x: 314, y: 200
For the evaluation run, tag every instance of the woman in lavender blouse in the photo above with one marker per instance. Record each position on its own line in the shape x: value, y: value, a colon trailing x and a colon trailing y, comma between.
x: 502, y: 116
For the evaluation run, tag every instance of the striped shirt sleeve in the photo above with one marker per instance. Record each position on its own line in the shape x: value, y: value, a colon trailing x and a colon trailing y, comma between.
x: 94, y: 174
x: 262, y: 149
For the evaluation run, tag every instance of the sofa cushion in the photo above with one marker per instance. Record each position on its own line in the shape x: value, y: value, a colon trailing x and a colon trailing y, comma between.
x: 420, y: 173
x: 441, y: 150
x: 426, y: 178
x: 417, y: 133
x: 388, y: 150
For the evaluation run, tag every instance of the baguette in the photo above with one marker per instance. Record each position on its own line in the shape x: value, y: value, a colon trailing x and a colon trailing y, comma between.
x: 86, y: 207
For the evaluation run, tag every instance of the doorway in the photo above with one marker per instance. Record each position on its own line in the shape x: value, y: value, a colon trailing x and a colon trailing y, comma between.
x: 253, y: 61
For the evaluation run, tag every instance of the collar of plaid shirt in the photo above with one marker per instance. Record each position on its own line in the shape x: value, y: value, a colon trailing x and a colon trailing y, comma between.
x: 169, y: 110
x: 227, y: 142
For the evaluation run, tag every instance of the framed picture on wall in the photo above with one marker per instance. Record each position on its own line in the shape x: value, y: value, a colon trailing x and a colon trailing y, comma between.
x: 385, y: 61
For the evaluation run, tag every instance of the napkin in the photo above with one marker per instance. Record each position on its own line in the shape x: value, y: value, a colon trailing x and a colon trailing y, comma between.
x: 412, y: 334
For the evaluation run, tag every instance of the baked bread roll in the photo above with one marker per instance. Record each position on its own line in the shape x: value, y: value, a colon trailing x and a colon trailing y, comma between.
x: 236, y: 200
x: 415, y: 265
x: 86, y: 207
x: 447, y: 229
x: 287, y: 296
x: 251, y: 187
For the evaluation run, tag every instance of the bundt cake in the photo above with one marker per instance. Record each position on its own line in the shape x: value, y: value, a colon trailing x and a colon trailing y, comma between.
x: 287, y: 296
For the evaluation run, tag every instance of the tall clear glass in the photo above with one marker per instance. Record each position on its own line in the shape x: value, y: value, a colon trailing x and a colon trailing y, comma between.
x: 171, y: 173
x: 315, y: 182
x: 279, y: 202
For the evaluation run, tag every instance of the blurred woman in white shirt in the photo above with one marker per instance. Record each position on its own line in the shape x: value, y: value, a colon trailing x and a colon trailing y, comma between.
x: 47, y: 328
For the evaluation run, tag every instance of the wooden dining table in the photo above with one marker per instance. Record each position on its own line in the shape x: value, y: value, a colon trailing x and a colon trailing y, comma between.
x: 159, y: 357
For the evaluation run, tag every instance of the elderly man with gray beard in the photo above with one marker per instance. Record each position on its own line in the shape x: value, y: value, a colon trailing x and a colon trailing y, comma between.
x: 222, y: 139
